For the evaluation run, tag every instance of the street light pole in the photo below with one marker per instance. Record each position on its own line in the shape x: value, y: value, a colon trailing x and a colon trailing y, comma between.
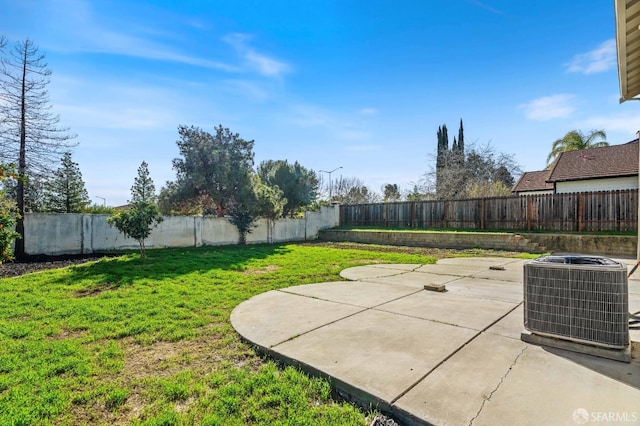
x: 104, y: 201
x: 324, y: 171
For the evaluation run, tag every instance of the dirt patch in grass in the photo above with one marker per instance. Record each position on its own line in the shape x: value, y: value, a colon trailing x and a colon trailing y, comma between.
x: 94, y: 290
x: 42, y: 263
x: 260, y: 271
x: 424, y: 251
x: 69, y: 334
x: 163, y: 360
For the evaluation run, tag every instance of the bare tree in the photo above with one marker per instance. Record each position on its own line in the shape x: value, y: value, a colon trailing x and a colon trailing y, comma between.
x: 30, y: 134
x: 351, y: 190
x: 483, y: 172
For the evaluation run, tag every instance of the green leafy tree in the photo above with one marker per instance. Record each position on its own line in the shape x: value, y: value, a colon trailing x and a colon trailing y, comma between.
x: 65, y: 191
x: 575, y: 140
x: 29, y: 131
x: 243, y: 210
x: 391, y: 192
x: 418, y: 193
x: 34, y: 192
x: 214, y: 169
x: 8, y: 214
x: 143, y: 214
x: 298, y: 184
x: 99, y: 209
x: 270, y: 204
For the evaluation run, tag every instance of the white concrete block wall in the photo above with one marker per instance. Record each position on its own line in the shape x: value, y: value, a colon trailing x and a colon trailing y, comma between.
x: 218, y: 231
x: 55, y: 234
x: 50, y: 233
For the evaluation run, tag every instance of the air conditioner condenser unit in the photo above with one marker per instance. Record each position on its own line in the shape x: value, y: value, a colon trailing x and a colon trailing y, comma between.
x: 583, y: 299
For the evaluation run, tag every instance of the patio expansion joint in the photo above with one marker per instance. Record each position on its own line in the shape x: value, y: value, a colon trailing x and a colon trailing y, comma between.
x: 362, y: 310
x: 465, y: 344
x: 400, y: 272
x: 502, y: 379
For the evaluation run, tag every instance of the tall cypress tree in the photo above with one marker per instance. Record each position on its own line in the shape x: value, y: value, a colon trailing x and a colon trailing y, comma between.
x: 442, y: 154
x: 445, y: 138
x: 461, y: 138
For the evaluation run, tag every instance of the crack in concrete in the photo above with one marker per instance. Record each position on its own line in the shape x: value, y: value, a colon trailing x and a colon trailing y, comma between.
x: 502, y: 379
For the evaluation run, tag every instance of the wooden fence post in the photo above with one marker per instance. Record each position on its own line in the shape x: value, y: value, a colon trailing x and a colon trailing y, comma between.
x: 580, y: 212
x: 413, y: 215
x: 446, y: 214
x: 529, y: 213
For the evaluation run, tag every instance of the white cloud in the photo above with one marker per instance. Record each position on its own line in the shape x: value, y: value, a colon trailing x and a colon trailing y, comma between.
x: 247, y: 89
x: 625, y: 122
x: 337, y: 125
x: 363, y: 148
x: 600, y: 59
x: 486, y: 7
x: 263, y: 64
x: 86, y: 31
x: 549, y: 107
x: 368, y: 111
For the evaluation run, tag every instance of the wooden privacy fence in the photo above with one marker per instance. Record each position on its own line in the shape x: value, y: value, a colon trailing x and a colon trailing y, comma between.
x: 584, y: 211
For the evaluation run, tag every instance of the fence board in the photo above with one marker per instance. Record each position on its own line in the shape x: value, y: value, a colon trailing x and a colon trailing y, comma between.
x: 582, y: 212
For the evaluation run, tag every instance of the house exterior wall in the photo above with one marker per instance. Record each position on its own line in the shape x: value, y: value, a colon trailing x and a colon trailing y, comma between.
x: 593, y: 185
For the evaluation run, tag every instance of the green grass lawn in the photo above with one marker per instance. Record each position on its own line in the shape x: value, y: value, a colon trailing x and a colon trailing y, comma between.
x: 148, y: 341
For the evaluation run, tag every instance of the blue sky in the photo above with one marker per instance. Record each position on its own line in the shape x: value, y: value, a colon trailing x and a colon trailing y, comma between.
x: 358, y: 84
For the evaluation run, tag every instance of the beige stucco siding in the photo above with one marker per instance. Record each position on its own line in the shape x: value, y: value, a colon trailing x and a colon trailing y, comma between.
x: 591, y: 185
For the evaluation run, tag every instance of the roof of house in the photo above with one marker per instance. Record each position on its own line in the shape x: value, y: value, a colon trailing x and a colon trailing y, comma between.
x: 533, y: 181
x: 594, y: 163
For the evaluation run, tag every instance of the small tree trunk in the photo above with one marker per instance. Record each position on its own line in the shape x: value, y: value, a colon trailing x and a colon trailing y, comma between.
x: 143, y: 253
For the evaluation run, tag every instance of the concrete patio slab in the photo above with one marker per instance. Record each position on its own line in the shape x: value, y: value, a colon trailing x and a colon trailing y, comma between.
x: 415, y: 279
x: 514, y: 275
x: 570, y: 392
x: 440, y: 358
x: 477, y: 261
x: 447, y: 308
x: 401, y: 266
x: 510, y: 326
x: 452, y: 269
x: 357, y: 293
x: 366, y: 272
x: 472, y: 374
x: 377, y: 351
x: 273, y: 317
x: 483, y: 288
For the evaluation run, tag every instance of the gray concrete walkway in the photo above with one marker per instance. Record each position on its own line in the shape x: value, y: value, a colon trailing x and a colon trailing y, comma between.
x: 452, y: 358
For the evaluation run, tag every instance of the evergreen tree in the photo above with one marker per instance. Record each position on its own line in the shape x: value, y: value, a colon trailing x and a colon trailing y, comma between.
x: 65, y: 191
x: 143, y: 214
x: 442, y: 155
x: 461, y: 138
x: 391, y: 192
x: 214, y: 168
x: 143, y: 189
x: 298, y: 184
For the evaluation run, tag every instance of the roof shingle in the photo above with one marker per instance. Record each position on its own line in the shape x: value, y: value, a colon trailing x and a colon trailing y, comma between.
x: 533, y: 181
x: 593, y: 163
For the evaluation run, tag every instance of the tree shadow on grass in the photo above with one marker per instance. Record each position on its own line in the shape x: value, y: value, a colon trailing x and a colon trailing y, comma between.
x: 162, y: 264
